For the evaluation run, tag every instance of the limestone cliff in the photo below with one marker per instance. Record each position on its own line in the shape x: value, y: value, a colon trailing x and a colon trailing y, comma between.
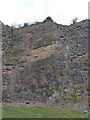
x: 45, y: 60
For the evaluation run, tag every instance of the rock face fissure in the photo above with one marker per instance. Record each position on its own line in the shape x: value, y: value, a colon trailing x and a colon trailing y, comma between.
x: 45, y: 62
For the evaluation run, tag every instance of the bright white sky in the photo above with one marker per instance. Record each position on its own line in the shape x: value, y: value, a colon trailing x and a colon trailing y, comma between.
x: 61, y: 11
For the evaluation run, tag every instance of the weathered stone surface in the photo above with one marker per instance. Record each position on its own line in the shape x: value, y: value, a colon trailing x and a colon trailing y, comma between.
x: 41, y: 59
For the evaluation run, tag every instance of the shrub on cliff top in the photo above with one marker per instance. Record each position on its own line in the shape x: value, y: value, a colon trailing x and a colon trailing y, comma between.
x: 48, y: 19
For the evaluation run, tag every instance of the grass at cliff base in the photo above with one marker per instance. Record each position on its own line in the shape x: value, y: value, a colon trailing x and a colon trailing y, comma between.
x: 40, y: 112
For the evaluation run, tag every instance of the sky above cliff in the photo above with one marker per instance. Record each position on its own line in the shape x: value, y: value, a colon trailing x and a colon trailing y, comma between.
x: 61, y: 11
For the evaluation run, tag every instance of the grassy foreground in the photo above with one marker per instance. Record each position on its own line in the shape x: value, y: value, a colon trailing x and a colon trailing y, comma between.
x: 40, y: 112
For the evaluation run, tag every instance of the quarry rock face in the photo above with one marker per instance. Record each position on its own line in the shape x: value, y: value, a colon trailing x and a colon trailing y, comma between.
x: 45, y: 62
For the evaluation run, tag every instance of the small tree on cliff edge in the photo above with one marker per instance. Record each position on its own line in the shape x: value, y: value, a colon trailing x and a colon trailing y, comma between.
x: 74, y: 20
x: 48, y: 19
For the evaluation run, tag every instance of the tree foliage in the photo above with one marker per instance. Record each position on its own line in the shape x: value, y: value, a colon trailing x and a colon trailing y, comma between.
x: 74, y: 20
